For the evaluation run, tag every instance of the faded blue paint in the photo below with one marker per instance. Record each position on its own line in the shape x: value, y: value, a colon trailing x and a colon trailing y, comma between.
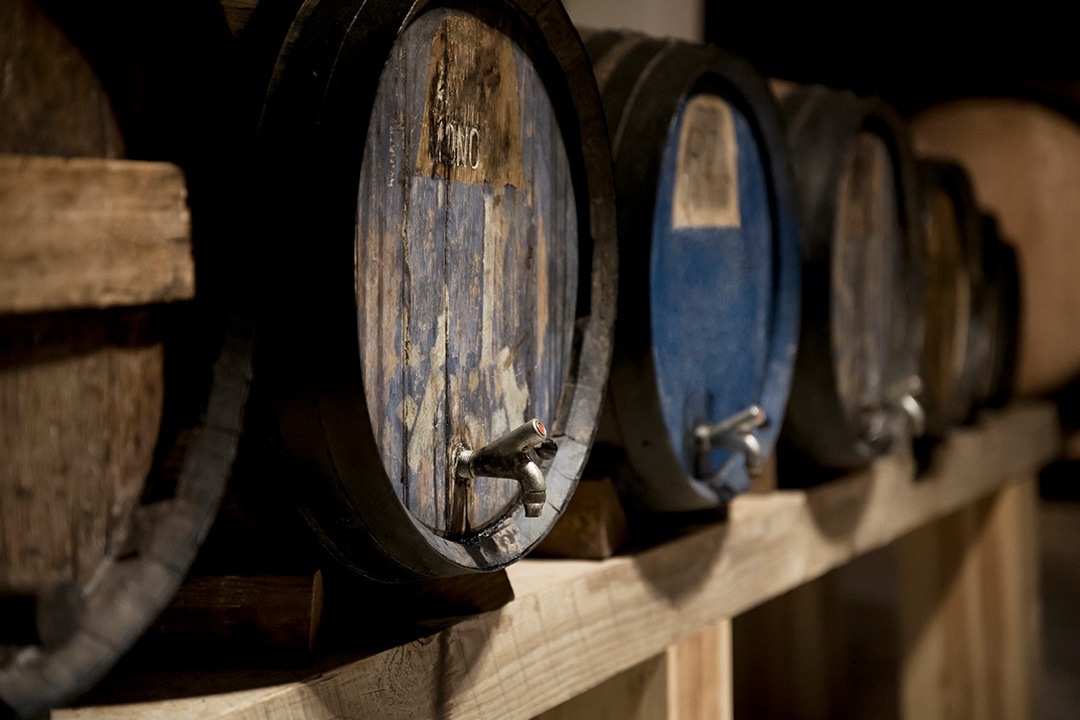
x: 421, y: 245
x: 712, y: 299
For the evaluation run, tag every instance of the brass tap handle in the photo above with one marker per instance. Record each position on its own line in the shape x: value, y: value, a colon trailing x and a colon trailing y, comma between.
x: 734, y: 433
x: 512, y: 457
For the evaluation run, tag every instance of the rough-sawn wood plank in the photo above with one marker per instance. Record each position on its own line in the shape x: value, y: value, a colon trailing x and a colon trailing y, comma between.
x: 92, y: 232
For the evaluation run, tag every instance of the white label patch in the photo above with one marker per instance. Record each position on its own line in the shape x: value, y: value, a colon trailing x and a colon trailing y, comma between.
x: 706, y: 174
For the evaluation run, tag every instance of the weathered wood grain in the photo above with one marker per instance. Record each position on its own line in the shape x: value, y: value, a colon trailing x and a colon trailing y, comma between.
x: 689, y: 681
x: 790, y: 655
x: 125, y: 595
x: 948, y: 304
x: 466, y: 260
x: 970, y: 611
x: 574, y: 624
x: 79, y: 416
x: 88, y: 232
x: 862, y: 327
x: 80, y: 393
x: 868, y: 334
x: 640, y: 693
x: 700, y: 676
x: 81, y: 390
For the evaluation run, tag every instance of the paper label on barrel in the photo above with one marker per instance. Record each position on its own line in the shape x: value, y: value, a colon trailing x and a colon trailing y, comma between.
x: 471, y: 130
x: 706, y: 179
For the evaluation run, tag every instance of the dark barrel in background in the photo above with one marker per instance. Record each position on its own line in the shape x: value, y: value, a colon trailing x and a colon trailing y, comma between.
x: 708, y: 264
x: 118, y: 427
x: 1002, y: 279
x: 953, y: 250
x: 857, y: 372
x: 440, y: 257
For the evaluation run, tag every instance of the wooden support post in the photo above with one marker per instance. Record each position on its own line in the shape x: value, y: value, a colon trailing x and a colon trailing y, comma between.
x: 790, y: 655
x: 970, y: 612
x: 690, y: 681
x: 640, y: 693
x: 699, y: 675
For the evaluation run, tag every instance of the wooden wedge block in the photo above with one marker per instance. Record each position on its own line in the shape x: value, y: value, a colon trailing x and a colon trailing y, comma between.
x: 593, y: 526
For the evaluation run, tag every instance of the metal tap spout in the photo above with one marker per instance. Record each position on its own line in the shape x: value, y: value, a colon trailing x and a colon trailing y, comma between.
x: 734, y: 433
x: 513, y: 456
x: 904, y: 398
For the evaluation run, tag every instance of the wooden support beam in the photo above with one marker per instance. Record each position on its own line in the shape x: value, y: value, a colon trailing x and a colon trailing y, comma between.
x: 970, y: 612
x: 92, y: 233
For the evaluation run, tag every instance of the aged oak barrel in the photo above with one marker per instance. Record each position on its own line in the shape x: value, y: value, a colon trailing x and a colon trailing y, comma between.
x: 1022, y: 157
x: 709, y: 267
x: 441, y: 264
x: 953, y: 250
x: 109, y: 475
x: 857, y: 374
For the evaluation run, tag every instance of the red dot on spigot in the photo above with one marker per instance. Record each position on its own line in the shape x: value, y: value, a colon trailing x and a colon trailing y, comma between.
x: 540, y: 427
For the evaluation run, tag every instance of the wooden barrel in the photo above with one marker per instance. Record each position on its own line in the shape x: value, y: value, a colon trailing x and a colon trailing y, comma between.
x: 954, y: 252
x: 442, y: 267
x: 109, y: 475
x: 709, y: 268
x: 861, y: 339
x: 1004, y: 144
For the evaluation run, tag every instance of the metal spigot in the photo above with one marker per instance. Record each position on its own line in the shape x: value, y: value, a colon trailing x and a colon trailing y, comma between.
x: 903, y: 397
x: 916, y: 415
x: 511, y: 457
x: 734, y: 433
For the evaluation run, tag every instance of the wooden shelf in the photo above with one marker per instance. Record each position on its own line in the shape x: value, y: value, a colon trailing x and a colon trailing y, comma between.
x: 574, y: 624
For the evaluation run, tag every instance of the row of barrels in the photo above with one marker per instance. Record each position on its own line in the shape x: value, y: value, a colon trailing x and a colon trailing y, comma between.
x: 422, y: 237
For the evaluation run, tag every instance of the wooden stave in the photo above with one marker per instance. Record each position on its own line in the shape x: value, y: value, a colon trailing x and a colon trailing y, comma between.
x: 200, y: 426
x: 980, y: 374
x: 818, y: 117
x: 666, y: 72
x: 954, y: 180
x: 389, y: 544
